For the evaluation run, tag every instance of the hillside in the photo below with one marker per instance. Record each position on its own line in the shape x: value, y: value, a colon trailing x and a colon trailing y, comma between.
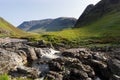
x: 48, y: 24
x: 91, y: 29
x: 29, y: 24
x: 7, y: 29
x: 95, y: 12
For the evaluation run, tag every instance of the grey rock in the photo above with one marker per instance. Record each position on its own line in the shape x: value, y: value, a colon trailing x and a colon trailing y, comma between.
x: 55, y: 66
x: 115, y: 77
x: 78, y: 74
x: 9, y: 60
x: 32, y: 53
x: 114, y: 65
x: 54, y: 76
x: 22, y: 71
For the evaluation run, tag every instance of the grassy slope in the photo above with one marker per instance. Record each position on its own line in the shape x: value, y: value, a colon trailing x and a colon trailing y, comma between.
x: 105, y: 30
x: 13, y: 31
x: 8, y: 27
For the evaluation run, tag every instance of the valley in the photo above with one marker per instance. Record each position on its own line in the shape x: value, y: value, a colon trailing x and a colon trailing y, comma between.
x: 63, y: 48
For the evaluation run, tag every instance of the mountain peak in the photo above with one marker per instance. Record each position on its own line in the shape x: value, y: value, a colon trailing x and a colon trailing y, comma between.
x: 88, y: 9
x: 95, y: 12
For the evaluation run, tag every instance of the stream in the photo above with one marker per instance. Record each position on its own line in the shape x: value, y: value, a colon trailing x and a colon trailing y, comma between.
x: 49, y: 54
x: 47, y: 57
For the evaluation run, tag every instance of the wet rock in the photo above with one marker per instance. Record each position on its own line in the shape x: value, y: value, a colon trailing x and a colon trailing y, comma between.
x: 68, y: 54
x: 55, y: 66
x: 115, y: 77
x: 22, y: 71
x: 76, y: 74
x: 114, y: 65
x: 99, y: 63
x: 41, y: 66
x: 54, y: 76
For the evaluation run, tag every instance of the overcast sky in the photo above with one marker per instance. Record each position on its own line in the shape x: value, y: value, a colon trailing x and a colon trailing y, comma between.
x: 17, y: 11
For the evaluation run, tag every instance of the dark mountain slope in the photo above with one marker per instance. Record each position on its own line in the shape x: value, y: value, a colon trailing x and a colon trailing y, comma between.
x: 99, y: 24
x: 93, y: 13
x: 29, y: 24
x: 48, y: 24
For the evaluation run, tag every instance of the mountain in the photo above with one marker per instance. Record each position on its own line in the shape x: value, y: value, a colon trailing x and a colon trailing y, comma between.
x: 95, y: 12
x: 48, y: 24
x: 29, y: 24
x: 7, y: 29
x: 99, y: 24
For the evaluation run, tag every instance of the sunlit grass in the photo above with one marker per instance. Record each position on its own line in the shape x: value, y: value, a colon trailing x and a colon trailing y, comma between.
x: 4, y: 77
x: 104, y: 30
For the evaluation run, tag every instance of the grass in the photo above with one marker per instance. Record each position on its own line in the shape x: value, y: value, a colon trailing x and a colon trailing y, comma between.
x: 106, y: 30
x: 10, y: 30
x: 4, y: 77
x: 109, y: 25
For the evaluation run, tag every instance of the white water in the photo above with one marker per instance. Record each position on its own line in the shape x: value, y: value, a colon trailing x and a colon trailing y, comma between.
x: 97, y: 78
x: 48, y: 54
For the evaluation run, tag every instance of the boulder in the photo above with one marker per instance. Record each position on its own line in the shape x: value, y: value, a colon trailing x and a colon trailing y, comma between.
x: 23, y: 55
x: 76, y: 74
x: 115, y: 77
x: 54, y: 76
x: 99, y: 63
x: 22, y: 71
x: 32, y: 54
x: 38, y: 52
x: 9, y: 60
x: 55, y: 66
x: 114, y: 65
x: 68, y: 54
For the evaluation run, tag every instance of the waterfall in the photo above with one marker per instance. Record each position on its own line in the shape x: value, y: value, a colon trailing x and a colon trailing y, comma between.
x: 49, y: 53
x: 46, y: 55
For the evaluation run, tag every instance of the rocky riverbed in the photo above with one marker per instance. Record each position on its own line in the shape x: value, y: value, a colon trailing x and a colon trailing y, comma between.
x: 20, y: 58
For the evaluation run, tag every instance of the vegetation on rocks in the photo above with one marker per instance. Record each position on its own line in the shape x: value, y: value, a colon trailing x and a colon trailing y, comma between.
x: 7, y: 77
x: 4, y: 77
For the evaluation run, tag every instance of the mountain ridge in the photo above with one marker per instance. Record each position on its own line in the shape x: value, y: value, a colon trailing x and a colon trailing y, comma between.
x: 93, y: 13
x: 48, y: 24
x: 26, y: 25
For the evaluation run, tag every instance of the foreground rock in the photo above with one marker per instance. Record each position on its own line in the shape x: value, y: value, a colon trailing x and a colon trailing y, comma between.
x: 22, y: 71
x: 9, y: 60
x: 20, y: 59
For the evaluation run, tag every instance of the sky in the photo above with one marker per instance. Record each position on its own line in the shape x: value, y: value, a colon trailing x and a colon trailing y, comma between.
x: 17, y: 11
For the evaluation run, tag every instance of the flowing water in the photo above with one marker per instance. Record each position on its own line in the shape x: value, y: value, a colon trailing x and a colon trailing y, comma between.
x: 46, y: 55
